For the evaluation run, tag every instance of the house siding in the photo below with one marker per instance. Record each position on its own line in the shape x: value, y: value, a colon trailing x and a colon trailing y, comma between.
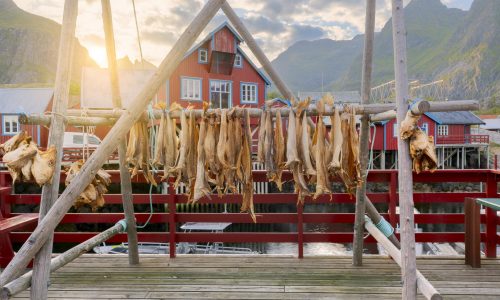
x: 224, y: 41
x: 190, y: 67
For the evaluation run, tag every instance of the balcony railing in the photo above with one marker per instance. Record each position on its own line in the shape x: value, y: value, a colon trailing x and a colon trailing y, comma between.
x: 174, y: 217
x: 462, y: 139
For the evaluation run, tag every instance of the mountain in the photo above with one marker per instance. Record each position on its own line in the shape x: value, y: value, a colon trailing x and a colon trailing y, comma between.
x: 443, y: 43
x: 29, y: 47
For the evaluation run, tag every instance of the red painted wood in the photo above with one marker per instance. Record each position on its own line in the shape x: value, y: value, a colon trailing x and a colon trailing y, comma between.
x: 224, y: 41
x: 393, y: 199
x: 17, y: 222
x: 491, y: 217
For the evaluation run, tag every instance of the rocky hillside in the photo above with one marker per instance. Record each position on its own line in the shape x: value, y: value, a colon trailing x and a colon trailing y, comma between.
x: 29, y: 48
x: 443, y: 43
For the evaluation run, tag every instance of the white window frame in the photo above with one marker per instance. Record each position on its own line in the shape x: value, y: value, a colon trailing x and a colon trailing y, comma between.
x: 200, y: 53
x: 229, y: 92
x: 238, y: 58
x: 395, y: 130
x: 442, y: 130
x: 249, y: 93
x: 189, y: 85
x: 425, y: 128
x: 11, y: 120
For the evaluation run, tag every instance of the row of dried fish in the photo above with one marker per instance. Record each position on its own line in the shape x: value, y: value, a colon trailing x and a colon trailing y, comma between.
x: 25, y: 161
x: 422, y: 149
x: 311, y: 156
x: 93, y: 193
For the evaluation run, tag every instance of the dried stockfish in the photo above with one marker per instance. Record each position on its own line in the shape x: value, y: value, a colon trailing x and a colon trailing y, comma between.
x: 246, y: 166
x: 278, y: 151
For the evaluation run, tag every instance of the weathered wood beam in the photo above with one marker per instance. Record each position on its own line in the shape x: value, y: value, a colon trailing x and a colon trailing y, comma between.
x: 427, y: 106
x: 364, y: 149
x: 43, y: 119
x: 406, y: 205
x: 423, y: 284
x: 110, y: 143
x: 50, y: 191
x: 125, y: 182
x: 23, y: 282
x: 257, y: 51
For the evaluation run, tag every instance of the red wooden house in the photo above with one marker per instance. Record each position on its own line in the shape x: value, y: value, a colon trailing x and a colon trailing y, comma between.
x: 16, y: 101
x: 217, y: 70
x: 456, y: 147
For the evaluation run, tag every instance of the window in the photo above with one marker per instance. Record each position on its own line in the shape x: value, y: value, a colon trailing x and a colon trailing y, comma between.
x: 442, y: 129
x: 202, y: 56
x: 238, y: 62
x: 11, y: 124
x: 220, y: 94
x: 93, y: 140
x: 249, y: 93
x: 395, y: 130
x: 78, y: 139
x: 191, y: 89
x: 425, y: 128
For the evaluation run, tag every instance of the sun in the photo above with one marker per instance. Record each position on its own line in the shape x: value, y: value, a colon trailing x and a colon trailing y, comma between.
x: 99, y: 55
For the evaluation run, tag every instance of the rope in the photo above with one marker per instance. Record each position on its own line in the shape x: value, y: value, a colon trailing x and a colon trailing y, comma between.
x: 138, y: 34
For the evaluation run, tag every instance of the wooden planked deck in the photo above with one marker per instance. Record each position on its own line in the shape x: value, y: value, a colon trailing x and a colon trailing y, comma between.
x: 263, y: 277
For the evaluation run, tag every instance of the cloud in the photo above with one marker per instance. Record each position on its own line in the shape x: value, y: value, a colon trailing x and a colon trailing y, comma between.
x: 275, y: 24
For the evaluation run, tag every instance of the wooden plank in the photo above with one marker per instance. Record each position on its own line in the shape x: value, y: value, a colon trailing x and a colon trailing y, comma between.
x: 17, y: 222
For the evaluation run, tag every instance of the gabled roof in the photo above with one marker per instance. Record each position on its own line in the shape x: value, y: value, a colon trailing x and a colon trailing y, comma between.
x: 454, y: 118
x: 211, y: 35
x: 25, y: 100
x: 238, y: 37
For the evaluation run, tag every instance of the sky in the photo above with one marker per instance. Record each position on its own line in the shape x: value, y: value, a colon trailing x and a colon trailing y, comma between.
x: 275, y: 24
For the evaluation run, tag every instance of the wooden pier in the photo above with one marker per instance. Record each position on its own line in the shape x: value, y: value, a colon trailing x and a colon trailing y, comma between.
x: 264, y: 277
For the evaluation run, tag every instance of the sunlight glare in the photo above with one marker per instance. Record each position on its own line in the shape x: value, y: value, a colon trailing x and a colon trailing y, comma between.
x: 98, y: 54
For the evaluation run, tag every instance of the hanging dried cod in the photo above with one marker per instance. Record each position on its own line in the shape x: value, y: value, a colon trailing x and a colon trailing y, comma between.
x: 246, y: 166
x: 336, y: 142
x: 201, y: 187
x: 350, y: 172
x: 192, y: 154
x: 24, y: 160
x: 269, y: 148
x: 92, y: 195
x: 261, y: 154
x: 179, y: 170
x: 422, y: 152
x: 166, y: 147
x: 278, y: 151
x: 138, y: 151
x: 408, y: 125
x: 233, y: 152
x: 322, y: 182
x: 19, y: 160
x: 305, y: 146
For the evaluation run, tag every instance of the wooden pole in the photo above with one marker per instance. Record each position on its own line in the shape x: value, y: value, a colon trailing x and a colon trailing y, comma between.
x: 424, y: 285
x: 50, y: 191
x: 406, y: 219
x: 109, y: 117
x: 23, y: 282
x: 426, y: 106
x: 257, y: 51
x: 43, y: 119
x: 364, y: 148
x: 109, y: 144
x: 125, y: 183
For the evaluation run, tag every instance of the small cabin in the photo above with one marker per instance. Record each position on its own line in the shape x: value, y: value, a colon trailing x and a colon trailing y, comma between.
x: 455, y: 144
x: 17, y: 101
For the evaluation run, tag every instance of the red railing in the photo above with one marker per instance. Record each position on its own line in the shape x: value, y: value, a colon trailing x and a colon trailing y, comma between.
x: 462, y: 139
x: 489, y: 179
